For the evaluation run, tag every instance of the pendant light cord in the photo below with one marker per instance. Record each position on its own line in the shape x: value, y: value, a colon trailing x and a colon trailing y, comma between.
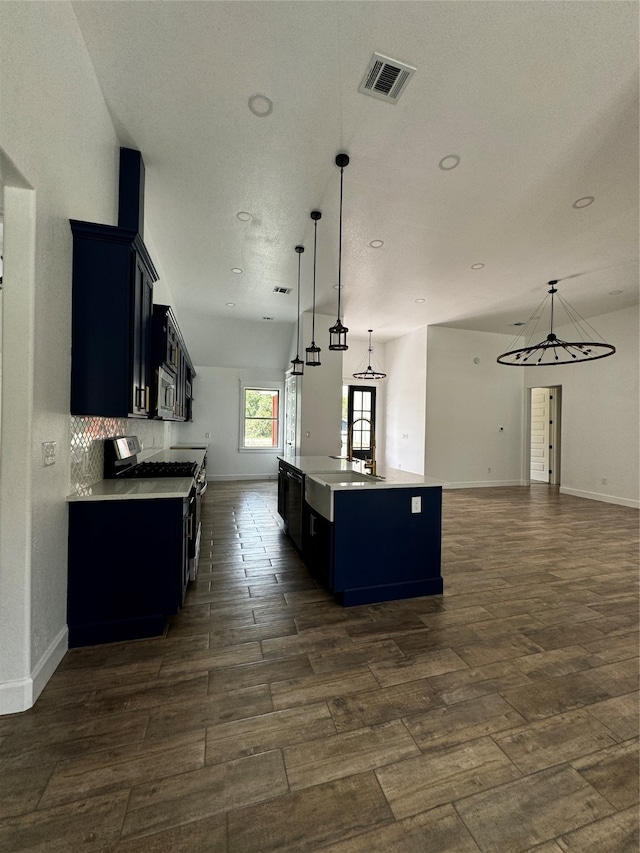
x: 313, y: 316
x: 340, y: 245
x: 298, y: 334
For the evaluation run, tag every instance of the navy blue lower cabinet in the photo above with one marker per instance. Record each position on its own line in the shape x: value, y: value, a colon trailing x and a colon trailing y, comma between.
x: 128, y: 568
x: 377, y: 549
x: 317, y: 546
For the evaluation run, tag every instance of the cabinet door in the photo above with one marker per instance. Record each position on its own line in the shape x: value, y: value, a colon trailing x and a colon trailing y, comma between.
x: 112, y: 299
x: 137, y: 554
x: 141, y: 338
x: 317, y: 546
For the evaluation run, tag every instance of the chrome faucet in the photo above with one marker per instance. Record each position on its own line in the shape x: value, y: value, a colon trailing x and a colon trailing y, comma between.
x: 370, y: 464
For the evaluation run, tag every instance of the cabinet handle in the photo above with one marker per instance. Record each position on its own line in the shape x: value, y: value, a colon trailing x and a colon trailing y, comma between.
x: 312, y: 525
x: 190, y: 527
x: 146, y: 399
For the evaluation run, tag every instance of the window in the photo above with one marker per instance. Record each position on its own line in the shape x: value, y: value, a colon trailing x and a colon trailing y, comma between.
x: 260, y: 418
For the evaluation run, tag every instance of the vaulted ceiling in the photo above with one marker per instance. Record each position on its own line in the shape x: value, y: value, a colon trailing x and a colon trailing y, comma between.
x: 537, y: 100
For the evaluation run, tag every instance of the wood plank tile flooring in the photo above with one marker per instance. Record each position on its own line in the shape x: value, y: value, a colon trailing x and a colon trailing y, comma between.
x: 501, y: 717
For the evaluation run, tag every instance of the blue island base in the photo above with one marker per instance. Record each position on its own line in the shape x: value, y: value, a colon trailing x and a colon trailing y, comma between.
x: 390, y: 592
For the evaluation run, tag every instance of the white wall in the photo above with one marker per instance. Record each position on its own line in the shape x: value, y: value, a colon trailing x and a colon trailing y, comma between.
x: 600, y: 408
x: 217, y: 412
x: 467, y: 403
x: 57, y: 133
x: 354, y: 360
x: 218, y: 342
x: 319, y: 394
x: 225, y: 353
x: 406, y: 389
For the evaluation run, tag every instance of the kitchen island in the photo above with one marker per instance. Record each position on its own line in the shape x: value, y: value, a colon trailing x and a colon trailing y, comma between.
x: 366, y: 538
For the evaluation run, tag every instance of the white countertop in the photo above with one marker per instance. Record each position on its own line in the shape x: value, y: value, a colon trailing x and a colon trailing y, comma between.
x: 320, y: 464
x: 133, y: 489
x: 117, y: 490
x: 386, y: 477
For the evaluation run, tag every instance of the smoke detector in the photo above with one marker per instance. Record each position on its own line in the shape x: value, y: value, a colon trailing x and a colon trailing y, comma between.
x: 385, y: 78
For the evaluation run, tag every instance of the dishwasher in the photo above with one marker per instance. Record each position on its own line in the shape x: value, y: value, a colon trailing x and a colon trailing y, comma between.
x: 295, y: 499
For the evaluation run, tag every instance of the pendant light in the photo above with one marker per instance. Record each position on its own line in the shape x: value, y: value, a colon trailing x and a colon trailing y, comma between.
x: 552, y: 349
x: 369, y: 373
x: 297, y: 362
x: 313, y: 352
x: 338, y: 332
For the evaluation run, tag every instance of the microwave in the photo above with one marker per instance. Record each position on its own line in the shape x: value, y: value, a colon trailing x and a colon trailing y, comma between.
x: 166, y: 401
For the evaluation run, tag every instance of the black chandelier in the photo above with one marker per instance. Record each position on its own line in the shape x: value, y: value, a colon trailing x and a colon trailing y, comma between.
x: 313, y: 352
x: 552, y: 349
x: 297, y: 362
x: 338, y: 332
x: 369, y: 373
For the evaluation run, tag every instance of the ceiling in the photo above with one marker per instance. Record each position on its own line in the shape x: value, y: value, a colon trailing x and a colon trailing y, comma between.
x: 538, y: 100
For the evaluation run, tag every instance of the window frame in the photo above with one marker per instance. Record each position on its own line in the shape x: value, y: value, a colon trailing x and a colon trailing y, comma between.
x: 275, y: 387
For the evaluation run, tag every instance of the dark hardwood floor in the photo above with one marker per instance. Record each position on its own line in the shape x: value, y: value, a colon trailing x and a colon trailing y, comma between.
x: 501, y: 717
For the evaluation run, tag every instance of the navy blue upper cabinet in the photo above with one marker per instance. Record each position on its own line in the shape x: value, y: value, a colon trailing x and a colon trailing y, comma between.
x: 171, y: 363
x: 112, y: 306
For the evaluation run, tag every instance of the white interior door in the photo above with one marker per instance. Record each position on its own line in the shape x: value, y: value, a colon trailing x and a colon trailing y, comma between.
x: 539, y: 435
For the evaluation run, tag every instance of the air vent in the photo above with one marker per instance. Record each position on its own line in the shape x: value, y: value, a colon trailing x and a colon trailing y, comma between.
x: 267, y: 318
x: 385, y: 78
x: 277, y: 289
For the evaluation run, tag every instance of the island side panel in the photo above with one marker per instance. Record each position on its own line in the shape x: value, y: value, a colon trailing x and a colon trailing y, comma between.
x: 384, y: 551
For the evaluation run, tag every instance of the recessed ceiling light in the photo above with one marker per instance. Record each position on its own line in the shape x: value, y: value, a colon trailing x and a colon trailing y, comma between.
x: 583, y: 202
x: 244, y: 216
x: 260, y: 105
x: 615, y: 292
x: 236, y: 270
x: 477, y: 266
x: 420, y: 300
x: 449, y: 162
x: 231, y: 304
x: 376, y: 244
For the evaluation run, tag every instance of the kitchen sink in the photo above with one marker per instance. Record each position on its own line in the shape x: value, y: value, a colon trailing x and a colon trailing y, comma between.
x: 320, y: 488
x: 344, y: 477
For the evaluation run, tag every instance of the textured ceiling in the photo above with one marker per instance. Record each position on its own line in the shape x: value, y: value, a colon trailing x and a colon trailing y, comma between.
x: 539, y: 100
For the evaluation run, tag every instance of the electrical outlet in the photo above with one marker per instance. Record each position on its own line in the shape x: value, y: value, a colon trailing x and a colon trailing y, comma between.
x: 207, y: 435
x: 416, y: 504
x: 48, y: 453
x: 489, y: 470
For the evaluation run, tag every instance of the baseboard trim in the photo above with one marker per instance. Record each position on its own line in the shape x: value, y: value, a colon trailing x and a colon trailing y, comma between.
x: 211, y: 478
x: 596, y: 496
x: 484, y: 484
x: 21, y: 693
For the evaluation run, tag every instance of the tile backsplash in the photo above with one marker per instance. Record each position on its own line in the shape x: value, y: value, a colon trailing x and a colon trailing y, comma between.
x: 87, y: 448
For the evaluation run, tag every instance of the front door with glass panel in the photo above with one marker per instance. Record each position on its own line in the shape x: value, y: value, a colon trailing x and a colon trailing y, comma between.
x: 361, y: 418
